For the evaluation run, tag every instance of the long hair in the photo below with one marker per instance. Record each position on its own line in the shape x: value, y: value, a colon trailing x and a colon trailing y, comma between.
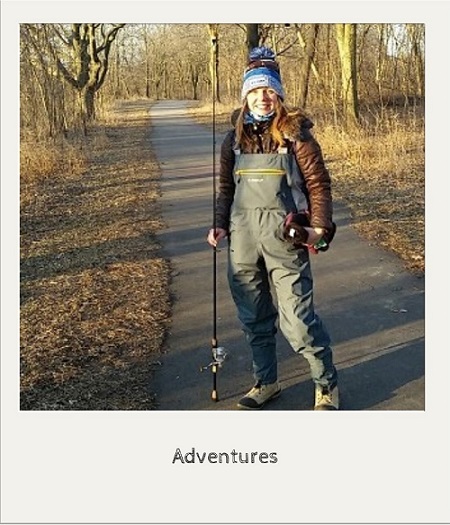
x: 278, y: 125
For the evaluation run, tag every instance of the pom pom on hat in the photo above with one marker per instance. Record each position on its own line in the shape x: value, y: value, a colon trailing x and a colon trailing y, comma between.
x: 261, y: 53
x: 262, y: 71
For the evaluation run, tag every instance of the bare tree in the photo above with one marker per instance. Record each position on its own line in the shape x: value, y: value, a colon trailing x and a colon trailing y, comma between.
x: 416, y: 33
x: 42, y: 96
x: 380, y: 61
x: 309, y: 47
x: 86, y: 65
x: 252, y: 31
x: 346, y: 41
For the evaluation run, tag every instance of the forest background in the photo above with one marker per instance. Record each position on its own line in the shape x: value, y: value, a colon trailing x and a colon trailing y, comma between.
x: 90, y: 336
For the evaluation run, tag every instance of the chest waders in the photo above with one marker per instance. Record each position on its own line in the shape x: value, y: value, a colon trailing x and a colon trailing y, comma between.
x: 259, y: 258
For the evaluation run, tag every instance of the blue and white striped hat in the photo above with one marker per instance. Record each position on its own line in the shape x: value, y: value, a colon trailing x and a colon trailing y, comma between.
x: 262, y: 71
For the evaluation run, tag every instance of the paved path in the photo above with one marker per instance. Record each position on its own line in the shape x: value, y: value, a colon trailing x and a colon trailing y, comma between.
x: 372, y: 307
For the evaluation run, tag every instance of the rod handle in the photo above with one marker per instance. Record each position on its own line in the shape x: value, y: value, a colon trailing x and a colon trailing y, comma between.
x: 214, y: 394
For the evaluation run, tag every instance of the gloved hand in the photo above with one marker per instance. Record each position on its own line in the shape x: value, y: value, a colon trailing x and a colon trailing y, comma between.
x: 294, y: 229
x: 295, y: 232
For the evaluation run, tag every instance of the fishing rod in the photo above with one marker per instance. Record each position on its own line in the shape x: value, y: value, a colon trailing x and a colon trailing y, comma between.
x: 218, y: 352
x: 214, y: 347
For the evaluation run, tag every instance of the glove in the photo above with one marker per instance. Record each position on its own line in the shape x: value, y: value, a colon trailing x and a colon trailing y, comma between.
x: 295, y: 233
x: 294, y: 229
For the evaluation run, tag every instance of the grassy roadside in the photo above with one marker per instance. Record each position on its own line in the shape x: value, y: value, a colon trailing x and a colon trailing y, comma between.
x: 94, y: 290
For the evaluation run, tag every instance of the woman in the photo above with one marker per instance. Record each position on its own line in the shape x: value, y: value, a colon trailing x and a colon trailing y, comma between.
x: 272, y: 170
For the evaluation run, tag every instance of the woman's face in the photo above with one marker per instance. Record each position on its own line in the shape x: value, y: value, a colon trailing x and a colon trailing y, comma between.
x: 262, y: 100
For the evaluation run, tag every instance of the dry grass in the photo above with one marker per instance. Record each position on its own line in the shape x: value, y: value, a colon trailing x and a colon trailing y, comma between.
x: 94, y: 291
x: 40, y: 160
x: 381, y: 177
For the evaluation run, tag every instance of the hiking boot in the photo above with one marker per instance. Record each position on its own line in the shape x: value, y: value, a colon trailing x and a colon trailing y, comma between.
x: 326, y: 399
x: 259, y: 395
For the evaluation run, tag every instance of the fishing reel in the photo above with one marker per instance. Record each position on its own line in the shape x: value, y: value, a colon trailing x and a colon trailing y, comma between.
x: 219, y: 355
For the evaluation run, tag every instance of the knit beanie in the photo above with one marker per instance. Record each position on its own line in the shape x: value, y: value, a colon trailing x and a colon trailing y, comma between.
x: 262, y: 71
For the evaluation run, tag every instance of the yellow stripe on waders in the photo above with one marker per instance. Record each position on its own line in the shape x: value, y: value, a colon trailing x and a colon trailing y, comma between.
x: 262, y: 171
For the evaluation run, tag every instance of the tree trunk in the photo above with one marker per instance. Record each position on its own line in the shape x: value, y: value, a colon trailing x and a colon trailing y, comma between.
x: 346, y: 40
x: 380, y: 64
x: 252, y: 36
x: 309, y: 47
x: 88, y: 105
x: 416, y: 33
x: 194, y: 76
x: 147, y: 65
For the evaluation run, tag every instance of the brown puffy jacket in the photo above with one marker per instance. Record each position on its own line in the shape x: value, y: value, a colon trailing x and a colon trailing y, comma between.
x: 308, y: 153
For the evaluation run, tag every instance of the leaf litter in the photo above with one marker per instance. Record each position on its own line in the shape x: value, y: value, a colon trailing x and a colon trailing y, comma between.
x: 95, y: 304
